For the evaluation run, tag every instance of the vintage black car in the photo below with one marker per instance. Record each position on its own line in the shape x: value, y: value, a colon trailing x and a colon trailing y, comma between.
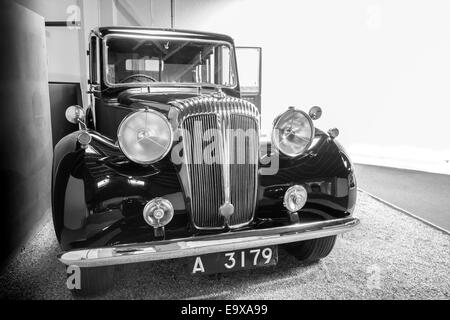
x: 168, y: 162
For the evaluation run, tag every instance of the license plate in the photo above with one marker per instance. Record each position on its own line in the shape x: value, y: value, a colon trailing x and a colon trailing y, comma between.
x: 233, y: 260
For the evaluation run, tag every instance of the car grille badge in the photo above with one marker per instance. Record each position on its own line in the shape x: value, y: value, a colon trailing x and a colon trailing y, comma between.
x: 226, y: 210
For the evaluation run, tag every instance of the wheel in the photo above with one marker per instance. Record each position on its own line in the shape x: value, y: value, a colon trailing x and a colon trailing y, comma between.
x: 92, y: 281
x: 311, y: 250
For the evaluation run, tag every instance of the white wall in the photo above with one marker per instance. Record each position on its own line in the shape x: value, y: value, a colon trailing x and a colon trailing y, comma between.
x: 379, y: 69
x: 67, y: 46
x: 62, y: 43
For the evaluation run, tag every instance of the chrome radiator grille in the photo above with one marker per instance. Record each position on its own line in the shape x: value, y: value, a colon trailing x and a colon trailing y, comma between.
x: 244, y: 175
x: 232, y: 178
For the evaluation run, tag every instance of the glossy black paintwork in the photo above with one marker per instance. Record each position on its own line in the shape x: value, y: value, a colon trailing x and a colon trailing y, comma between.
x: 98, y: 194
x: 327, y: 174
x: 115, y: 190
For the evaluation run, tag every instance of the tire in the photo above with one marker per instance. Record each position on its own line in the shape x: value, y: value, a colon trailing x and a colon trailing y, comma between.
x: 95, y: 280
x: 311, y: 250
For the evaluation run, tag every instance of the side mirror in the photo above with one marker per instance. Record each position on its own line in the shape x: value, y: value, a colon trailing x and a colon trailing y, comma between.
x: 75, y: 114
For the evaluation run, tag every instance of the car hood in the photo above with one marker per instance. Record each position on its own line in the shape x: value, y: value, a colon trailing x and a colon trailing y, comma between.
x: 128, y: 98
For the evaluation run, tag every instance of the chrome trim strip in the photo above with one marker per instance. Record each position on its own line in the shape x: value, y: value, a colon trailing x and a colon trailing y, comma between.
x: 110, y: 143
x: 195, y: 246
x: 224, y: 126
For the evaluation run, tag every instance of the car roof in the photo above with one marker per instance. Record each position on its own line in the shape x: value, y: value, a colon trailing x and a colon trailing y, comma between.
x: 165, y: 32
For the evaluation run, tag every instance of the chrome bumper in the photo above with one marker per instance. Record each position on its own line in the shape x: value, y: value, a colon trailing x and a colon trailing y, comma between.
x: 194, y: 246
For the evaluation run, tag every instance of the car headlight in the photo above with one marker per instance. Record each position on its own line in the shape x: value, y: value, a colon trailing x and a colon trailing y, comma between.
x: 293, y: 132
x: 145, y: 136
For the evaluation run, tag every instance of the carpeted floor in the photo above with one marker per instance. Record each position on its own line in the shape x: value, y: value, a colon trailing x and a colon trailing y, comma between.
x: 390, y: 256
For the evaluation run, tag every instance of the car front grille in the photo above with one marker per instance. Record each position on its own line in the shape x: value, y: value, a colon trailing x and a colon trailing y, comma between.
x: 233, y: 176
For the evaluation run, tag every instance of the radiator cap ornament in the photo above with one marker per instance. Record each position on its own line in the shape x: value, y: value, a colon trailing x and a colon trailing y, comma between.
x: 218, y: 94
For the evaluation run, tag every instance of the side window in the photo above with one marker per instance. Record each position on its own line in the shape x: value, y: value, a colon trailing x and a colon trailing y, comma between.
x: 249, y: 67
x: 249, y: 61
x: 226, y: 65
x: 93, y: 58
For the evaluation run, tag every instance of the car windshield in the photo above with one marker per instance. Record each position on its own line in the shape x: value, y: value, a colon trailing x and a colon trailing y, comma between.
x: 144, y: 61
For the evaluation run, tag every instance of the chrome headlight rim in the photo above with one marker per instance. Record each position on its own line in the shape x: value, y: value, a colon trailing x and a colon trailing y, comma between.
x: 275, y: 141
x: 131, y: 157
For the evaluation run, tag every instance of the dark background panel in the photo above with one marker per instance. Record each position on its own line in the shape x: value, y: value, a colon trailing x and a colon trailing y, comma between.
x: 62, y: 95
x: 25, y: 125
